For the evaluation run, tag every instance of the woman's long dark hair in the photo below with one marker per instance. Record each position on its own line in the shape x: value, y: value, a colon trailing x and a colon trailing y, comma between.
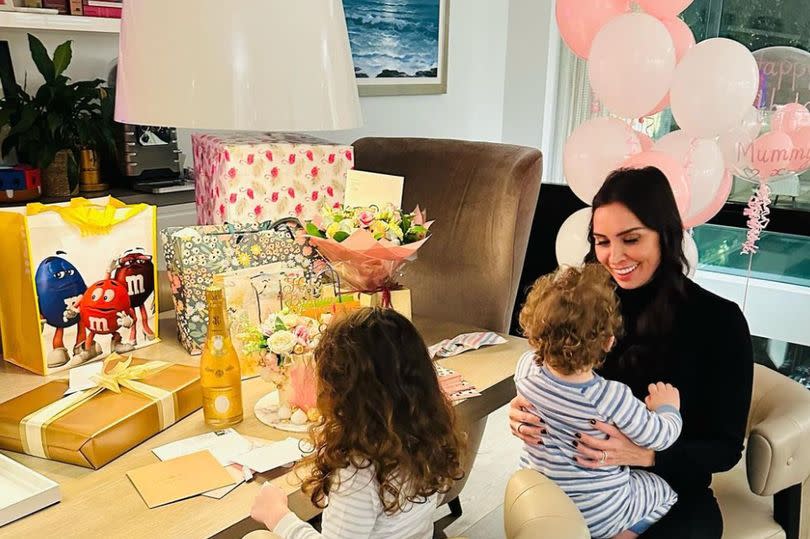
x: 647, y: 194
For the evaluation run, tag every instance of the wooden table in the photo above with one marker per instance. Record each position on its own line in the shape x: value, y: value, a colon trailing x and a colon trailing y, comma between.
x: 103, y: 503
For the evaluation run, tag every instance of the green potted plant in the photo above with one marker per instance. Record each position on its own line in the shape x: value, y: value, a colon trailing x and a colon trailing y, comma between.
x: 50, y: 127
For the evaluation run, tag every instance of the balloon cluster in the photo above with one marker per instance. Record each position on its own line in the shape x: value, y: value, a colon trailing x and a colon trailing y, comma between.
x: 739, y: 113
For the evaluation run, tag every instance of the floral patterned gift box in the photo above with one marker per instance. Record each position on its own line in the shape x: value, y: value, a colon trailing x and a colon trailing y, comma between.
x: 194, y: 255
x: 251, y: 178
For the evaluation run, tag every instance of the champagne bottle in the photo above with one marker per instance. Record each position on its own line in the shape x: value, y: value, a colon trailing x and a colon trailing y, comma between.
x: 220, y: 375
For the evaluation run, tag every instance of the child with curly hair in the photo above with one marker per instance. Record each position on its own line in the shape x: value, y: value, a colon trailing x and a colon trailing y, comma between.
x: 387, y: 443
x: 571, y: 318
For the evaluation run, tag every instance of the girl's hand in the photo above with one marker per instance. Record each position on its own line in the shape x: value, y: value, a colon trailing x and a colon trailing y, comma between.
x: 524, y: 422
x: 270, y: 506
x: 617, y: 450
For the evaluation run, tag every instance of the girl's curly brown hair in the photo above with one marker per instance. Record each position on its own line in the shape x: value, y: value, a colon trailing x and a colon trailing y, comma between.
x: 570, y: 317
x: 381, y: 407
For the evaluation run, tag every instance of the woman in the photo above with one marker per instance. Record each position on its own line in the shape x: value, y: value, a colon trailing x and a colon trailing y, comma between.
x: 674, y: 332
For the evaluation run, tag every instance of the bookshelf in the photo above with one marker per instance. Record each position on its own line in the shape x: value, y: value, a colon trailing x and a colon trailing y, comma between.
x: 70, y: 23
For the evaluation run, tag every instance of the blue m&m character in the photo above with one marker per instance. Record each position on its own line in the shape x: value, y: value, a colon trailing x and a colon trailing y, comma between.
x: 59, y: 284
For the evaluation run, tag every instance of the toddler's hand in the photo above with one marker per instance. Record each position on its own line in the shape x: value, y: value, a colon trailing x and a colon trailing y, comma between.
x: 661, y: 394
x: 270, y: 506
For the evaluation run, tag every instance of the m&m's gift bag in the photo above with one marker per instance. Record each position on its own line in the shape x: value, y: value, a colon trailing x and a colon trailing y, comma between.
x: 78, y: 282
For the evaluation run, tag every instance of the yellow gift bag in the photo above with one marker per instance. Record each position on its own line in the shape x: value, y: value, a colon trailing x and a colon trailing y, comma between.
x: 78, y: 282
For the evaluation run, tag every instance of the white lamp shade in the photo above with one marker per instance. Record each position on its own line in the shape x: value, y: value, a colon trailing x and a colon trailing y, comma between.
x: 252, y: 65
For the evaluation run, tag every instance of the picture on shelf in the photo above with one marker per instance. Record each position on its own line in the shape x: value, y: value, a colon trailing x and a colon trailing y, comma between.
x: 399, y: 47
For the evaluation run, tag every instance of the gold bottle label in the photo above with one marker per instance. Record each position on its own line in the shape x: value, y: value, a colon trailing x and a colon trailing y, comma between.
x: 222, y: 404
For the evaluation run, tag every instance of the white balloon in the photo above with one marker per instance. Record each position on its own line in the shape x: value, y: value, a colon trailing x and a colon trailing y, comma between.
x: 691, y: 251
x: 704, y: 164
x: 714, y: 86
x: 572, y: 239
x: 594, y: 150
x: 631, y: 64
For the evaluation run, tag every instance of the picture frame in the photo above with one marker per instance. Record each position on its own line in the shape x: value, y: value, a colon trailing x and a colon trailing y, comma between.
x: 401, y: 48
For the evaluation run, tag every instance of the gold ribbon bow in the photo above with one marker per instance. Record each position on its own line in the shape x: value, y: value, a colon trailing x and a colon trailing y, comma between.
x: 123, y: 374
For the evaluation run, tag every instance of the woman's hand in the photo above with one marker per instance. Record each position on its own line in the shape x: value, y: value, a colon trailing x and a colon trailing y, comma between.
x: 524, y: 422
x: 270, y: 506
x: 617, y: 450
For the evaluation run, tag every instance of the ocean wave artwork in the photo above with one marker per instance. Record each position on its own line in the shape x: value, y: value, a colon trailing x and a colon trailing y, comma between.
x: 394, y: 38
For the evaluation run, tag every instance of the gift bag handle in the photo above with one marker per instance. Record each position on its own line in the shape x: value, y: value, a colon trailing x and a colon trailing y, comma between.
x: 90, y: 218
x: 230, y: 228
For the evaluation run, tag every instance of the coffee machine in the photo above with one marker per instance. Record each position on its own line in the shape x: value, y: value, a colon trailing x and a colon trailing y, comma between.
x: 148, y: 156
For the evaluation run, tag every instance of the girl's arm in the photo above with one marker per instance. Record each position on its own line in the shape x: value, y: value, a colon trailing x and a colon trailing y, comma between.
x: 352, y: 511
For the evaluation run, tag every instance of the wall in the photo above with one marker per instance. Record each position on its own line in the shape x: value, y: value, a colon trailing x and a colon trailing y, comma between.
x: 498, y: 64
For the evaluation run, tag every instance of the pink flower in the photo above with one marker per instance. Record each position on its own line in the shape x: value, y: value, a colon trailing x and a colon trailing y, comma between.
x: 336, y: 205
x: 232, y: 198
x: 291, y: 192
x: 222, y: 209
x: 302, y: 334
x: 250, y: 159
x: 330, y: 191
x: 250, y: 193
x: 309, y: 155
x: 269, y: 155
x: 299, y: 209
x: 274, y: 197
x: 274, y: 172
x: 348, y: 155
x: 331, y: 159
x: 314, y: 172
x: 232, y: 172
x: 314, y: 196
x: 291, y: 159
x: 227, y: 156
x: 257, y: 210
x: 365, y: 218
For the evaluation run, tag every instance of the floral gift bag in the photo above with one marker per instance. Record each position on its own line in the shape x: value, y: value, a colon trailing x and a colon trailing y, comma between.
x: 194, y: 255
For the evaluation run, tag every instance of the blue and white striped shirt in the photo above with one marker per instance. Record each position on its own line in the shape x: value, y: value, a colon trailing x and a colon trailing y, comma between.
x: 611, y: 498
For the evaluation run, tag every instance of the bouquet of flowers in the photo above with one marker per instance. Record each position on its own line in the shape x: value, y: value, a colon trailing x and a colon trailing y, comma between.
x: 366, y: 246
x: 285, y: 343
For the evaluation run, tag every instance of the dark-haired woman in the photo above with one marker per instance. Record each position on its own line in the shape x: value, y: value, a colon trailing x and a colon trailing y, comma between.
x: 675, y: 332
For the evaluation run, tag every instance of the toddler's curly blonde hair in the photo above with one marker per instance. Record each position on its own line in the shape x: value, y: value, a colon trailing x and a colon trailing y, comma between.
x: 570, y: 317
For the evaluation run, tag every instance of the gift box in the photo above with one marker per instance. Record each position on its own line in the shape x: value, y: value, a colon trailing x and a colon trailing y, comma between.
x: 250, y: 178
x: 134, y: 400
x: 399, y: 300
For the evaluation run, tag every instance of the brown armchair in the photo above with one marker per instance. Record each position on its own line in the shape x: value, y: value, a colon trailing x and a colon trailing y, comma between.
x: 773, y: 503
x: 482, y: 197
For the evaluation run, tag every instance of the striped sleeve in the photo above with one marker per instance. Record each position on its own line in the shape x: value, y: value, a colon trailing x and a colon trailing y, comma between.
x: 654, y: 430
x: 352, y: 511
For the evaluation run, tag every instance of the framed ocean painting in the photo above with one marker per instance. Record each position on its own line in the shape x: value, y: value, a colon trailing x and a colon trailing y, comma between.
x: 399, y: 47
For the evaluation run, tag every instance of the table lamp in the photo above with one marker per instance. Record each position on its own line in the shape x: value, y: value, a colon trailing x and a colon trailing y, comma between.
x: 251, y: 65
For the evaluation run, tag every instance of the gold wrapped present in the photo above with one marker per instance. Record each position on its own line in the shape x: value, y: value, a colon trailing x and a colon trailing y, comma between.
x: 133, y: 400
x: 399, y: 300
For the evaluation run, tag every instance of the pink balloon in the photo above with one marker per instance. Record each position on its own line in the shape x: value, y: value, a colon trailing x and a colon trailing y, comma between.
x: 664, y: 9
x: 631, y: 64
x: 790, y: 117
x: 681, y: 35
x: 714, y: 206
x: 673, y: 170
x: 579, y: 21
x: 800, y: 156
x: 593, y: 150
x: 664, y: 103
x: 646, y: 142
x: 770, y: 155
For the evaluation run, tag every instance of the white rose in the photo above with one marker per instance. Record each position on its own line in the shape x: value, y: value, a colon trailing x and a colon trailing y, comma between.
x: 281, y: 342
